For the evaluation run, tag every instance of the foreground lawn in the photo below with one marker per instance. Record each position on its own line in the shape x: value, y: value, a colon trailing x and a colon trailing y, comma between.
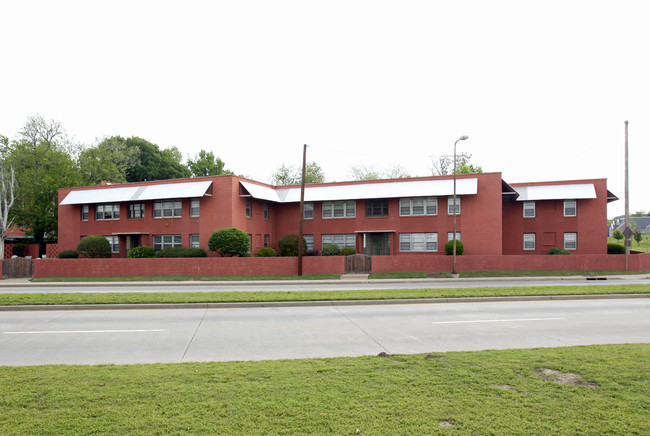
x: 262, y: 296
x: 569, y: 391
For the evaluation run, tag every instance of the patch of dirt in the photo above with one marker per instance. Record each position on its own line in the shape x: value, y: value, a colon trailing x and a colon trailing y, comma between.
x: 504, y: 387
x: 383, y: 354
x: 446, y: 424
x: 565, y: 378
x: 433, y: 356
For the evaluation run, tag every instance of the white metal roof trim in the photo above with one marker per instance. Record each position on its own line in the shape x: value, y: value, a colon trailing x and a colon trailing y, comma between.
x: 556, y: 192
x: 138, y: 193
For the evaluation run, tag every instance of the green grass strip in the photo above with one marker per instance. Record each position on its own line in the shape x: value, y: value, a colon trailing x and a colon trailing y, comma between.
x: 591, y: 390
x: 185, y: 278
x: 262, y: 296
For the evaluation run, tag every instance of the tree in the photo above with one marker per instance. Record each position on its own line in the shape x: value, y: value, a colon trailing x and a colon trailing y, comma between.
x: 206, y: 164
x: 155, y: 164
x: 110, y: 160
x: 618, y: 235
x: 369, y: 173
x: 638, y: 236
x: 444, y: 165
x: 639, y: 213
x: 290, y: 175
x: 229, y: 241
x: 7, y: 180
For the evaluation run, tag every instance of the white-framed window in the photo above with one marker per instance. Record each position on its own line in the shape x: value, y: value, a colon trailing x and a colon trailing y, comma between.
x: 115, y: 243
x: 167, y: 209
x: 418, y: 242
x: 450, y: 236
x: 309, y: 239
x: 418, y: 206
x: 249, y: 208
x: 136, y: 210
x: 195, y: 241
x: 570, y: 208
x: 570, y: 241
x: 450, y: 205
x: 84, y: 212
x: 160, y: 242
x: 340, y: 209
x: 195, y: 207
x: 308, y: 212
x: 346, y: 240
x: 529, y: 209
x: 529, y: 241
x: 377, y: 207
x: 107, y: 212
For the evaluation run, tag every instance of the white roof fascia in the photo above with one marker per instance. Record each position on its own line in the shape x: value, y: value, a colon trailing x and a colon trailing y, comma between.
x: 556, y: 192
x: 138, y: 193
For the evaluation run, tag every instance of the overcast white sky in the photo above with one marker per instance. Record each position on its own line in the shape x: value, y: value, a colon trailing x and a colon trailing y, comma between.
x: 541, y: 88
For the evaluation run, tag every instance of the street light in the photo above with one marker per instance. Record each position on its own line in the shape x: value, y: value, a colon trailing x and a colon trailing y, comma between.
x: 453, y: 248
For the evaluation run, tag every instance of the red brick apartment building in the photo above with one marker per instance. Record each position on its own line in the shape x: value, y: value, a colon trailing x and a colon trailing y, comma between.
x: 379, y: 217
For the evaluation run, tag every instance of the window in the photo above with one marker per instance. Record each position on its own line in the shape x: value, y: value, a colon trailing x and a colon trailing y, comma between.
x: 266, y: 240
x: 160, y: 242
x: 418, y: 206
x: 341, y: 240
x: 194, y: 241
x: 570, y: 241
x: 136, y: 210
x: 107, y: 212
x: 84, y: 212
x: 529, y: 209
x: 340, y: 209
x: 450, y: 236
x: 248, y: 208
x: 115, y: 243
x: 309, y: 239
x: 167, y: 209
x: 308, y: 213
x: 418, y: 242
x: 195, y: 207
x: 450, y: 205
x: 376, y: 207
x: 266, y: 213
x: 570, y: 208
x: 529, y: 241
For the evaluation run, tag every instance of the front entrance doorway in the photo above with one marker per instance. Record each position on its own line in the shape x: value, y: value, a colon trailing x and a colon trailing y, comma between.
x: 376, y: 243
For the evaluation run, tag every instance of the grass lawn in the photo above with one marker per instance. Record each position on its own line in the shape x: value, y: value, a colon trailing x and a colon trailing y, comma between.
x: 644, y: 245
x: 262, y: 296
x: 570, y: 391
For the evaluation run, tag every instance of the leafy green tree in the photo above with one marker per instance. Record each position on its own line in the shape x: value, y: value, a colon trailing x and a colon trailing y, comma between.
x: 638, y: 236
x: 444, y: 165
x: 206, y: 164
x: 290, y: 175
x: 229, y: 241
x: 369, y: 173
x: 639, y: 213
x: 618, y: 235
x: 155, y: 164
x: 110, y: 160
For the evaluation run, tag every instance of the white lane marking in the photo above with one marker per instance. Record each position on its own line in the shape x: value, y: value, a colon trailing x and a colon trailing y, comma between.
x: 496, y: 320
x: 81, y: 331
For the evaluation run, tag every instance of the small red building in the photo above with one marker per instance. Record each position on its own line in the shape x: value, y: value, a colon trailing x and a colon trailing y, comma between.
x: 378, y: 217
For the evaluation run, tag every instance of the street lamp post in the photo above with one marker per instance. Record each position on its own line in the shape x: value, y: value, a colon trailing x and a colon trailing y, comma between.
x: 453, y: 248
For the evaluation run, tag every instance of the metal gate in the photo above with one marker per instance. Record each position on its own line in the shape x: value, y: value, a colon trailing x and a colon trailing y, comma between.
x: 17, y: 267
x: 358, y: 264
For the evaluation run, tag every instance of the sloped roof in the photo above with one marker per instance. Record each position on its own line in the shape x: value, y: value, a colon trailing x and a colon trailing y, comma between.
x: 556, y: 192
x: 138, y: 193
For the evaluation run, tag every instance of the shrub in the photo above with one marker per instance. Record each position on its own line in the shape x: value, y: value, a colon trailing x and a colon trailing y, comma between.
x: 94, y: 247
x: 229, y: 241
x: 449, y: 248
x: 19, y: 249
x: 182, y: 252
x: 615, y: 249
x: 266, y: 252
x: 331, y: 250
x: 311, y: 253
x: 289, y: 245
x: 141, y: 252
x: 68, y: 254
x: 348, y: 251
x: 558, y: 250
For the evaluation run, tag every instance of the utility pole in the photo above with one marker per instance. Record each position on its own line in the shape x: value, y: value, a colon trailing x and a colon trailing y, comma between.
x: 302, y: 209
x: 627, y: 204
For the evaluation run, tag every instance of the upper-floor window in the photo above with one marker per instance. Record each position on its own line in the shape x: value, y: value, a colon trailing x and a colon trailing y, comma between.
x: 308, y: 213
x: 418, y: 206
x: 570, y: 241
x: 266, y: 211
x: 249, y: 208
x: 418, y: 242
x: 529, y: 241
x: 340, y: 209
x: 376, y: 207
x: 84, y: 212
x: 107, y: 212
x: 529, y: 209
x: 136, y: 210
x: 167, y: 209
x: 450, y: 205
x: 570, y: 208
x: 195, y: 207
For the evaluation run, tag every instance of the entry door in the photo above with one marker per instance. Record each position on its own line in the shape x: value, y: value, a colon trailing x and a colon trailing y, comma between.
x: 376, y: 244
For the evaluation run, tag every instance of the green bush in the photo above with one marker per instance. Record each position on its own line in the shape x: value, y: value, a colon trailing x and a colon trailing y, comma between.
x: 19, y: 249
x: 348, y: 251
x: 558, y: 250
x: 289, y: 245
x: 68, y: 254
x: 141, y: 252
x: 331, y: 250
x: 94, y: 247
x: 615, y: 249
x: 266, y: 252
x: 449, y: 248
x: 229, y: 241
x: 182, y: 252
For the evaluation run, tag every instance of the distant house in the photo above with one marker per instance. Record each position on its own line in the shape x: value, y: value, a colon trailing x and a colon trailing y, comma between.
x: 640, y: 223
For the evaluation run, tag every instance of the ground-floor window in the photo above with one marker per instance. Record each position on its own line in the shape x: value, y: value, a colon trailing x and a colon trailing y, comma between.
x: 194, y: 241
x: 450, y: 236
x: 529, y: 241
x: 160, y: 242
x: 267, y: 240
x: 570, y: 241
x: 309, y: 239
x: 418, y: 242
x: 115, y: 243
x: 343, y: 241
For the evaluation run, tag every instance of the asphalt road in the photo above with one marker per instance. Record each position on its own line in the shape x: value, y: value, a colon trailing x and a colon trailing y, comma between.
x: 191, y: 335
